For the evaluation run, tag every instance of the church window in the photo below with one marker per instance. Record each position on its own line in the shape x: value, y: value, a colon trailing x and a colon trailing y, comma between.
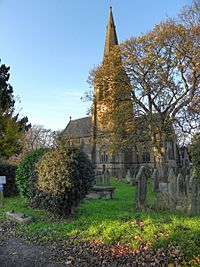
x: 146, y: 156
x: 104, y: 157
x: 170, y: 150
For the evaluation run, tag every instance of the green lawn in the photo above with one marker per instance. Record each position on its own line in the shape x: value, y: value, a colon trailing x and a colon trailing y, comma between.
x: 113, y: 221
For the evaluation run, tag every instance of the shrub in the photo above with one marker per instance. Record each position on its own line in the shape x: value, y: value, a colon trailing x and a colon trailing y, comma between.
x: 8, y: 170
x: 195, y: 151
x: 25, y: 175
x: 64, y: 177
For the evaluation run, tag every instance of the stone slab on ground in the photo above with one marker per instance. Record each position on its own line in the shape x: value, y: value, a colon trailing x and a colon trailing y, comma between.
x: 18, y: 217
x: 101, y: 192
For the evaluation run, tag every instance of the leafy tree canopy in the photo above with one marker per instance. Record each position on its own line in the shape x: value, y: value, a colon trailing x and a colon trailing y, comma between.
x: 11, y: 126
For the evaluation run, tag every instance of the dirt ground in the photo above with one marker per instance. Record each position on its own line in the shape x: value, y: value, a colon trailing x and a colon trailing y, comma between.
x: 14, y: 252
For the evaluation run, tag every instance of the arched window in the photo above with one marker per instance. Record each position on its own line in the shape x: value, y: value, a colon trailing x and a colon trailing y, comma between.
x: 146, y: 156
x: 103, y: 155
x: 170, y: 150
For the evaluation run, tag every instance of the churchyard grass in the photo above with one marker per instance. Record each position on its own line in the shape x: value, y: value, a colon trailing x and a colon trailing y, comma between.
x: 113, y: 221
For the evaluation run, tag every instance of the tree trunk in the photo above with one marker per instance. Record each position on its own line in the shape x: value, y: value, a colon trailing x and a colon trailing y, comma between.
x: 160, y: 155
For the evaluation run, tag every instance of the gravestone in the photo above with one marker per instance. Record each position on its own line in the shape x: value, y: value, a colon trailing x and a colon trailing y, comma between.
x: 101, y: 190
x: 107, y: 177
x: 18, y: 217
x: 155, y: 181
x: 119, y: 175
x: 163, y: 186
x: 128, y: 177
x: 2, y: 182
x: 141, y: 189
x: 172, y: 184
x: 99, y: 179
x: 187, y: 184
x: 180, y: 185
x: 194, y: 197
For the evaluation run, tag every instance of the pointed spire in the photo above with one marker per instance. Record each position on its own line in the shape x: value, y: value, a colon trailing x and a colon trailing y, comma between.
x: 111, y: 35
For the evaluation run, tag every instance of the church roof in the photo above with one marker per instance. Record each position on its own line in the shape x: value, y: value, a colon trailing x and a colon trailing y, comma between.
x: 79, y: 128
x: 111, y: 35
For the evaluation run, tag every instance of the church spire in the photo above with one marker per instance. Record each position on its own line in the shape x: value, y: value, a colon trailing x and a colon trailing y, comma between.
x: 111, y: 35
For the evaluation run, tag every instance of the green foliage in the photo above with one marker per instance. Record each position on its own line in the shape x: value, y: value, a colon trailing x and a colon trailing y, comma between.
x: 8, y: 170
x: 11, y: 127
x: 25, y: 175
x: 115, y: 221
x: 64, y: 176
x: 195, y: 150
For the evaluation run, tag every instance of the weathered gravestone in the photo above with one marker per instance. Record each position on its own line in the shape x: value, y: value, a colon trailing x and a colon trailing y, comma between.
x: 18, y: 217
x: 128, y: 177
x: 99, y: 179
x: 194, y: 197
x: 180, y: 185
x: 141, y: 187
x: 163, y: 187
x: 119, y: 175
x: 107, y: 177
x: 2, y: 182
x: 101, y: 190
x: 155, y: 181
x: 187, y: 184
x: 172, y: 183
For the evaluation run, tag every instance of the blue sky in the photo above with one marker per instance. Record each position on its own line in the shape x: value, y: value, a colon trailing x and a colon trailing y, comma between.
x: 51, y: 45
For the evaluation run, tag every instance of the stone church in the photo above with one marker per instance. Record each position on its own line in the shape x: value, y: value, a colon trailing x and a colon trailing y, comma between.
x: 84, y: 132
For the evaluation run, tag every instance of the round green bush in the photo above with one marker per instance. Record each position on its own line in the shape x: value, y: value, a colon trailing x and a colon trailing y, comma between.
x: 25, y: 174
x: 9, y: 170
x: 64, y: 177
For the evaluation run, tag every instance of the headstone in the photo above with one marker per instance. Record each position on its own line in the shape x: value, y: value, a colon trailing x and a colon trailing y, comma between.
x: 128, y: 177
x: 18, y: 217
x: 163, y: 187
x: 2, y: 182
x: 187, y: 184
x: 180, y: 185
x: 172, y: 183
x: 119, y: 175
x: 99, y: 179
x: 194, y: 197
x: 155, y: 181
x: 107, y: 177
x: 141, y: 191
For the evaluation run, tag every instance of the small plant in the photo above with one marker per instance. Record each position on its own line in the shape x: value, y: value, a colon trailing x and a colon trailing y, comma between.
x: 8, y: 170
x: 25, y: 175
x: 64, y: 176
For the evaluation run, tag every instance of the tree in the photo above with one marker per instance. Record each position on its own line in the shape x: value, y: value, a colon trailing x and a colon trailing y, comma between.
x: 39, y: 137
x: 190, y: 15
x: 11, y: 127
x: 163, y: 69
x: 190, y: 18
x: 195, y: 151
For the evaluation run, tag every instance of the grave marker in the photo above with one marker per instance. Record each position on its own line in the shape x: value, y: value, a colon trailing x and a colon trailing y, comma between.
x: 2, y: 182
x: 141, y: 190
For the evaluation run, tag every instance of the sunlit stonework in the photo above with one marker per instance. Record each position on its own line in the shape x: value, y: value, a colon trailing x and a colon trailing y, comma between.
x: 94, y: 133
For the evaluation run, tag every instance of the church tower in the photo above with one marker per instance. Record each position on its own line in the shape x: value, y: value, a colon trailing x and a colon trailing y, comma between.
x: 112, y: 98
x: 111, y: 41
x: 111, y: 35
